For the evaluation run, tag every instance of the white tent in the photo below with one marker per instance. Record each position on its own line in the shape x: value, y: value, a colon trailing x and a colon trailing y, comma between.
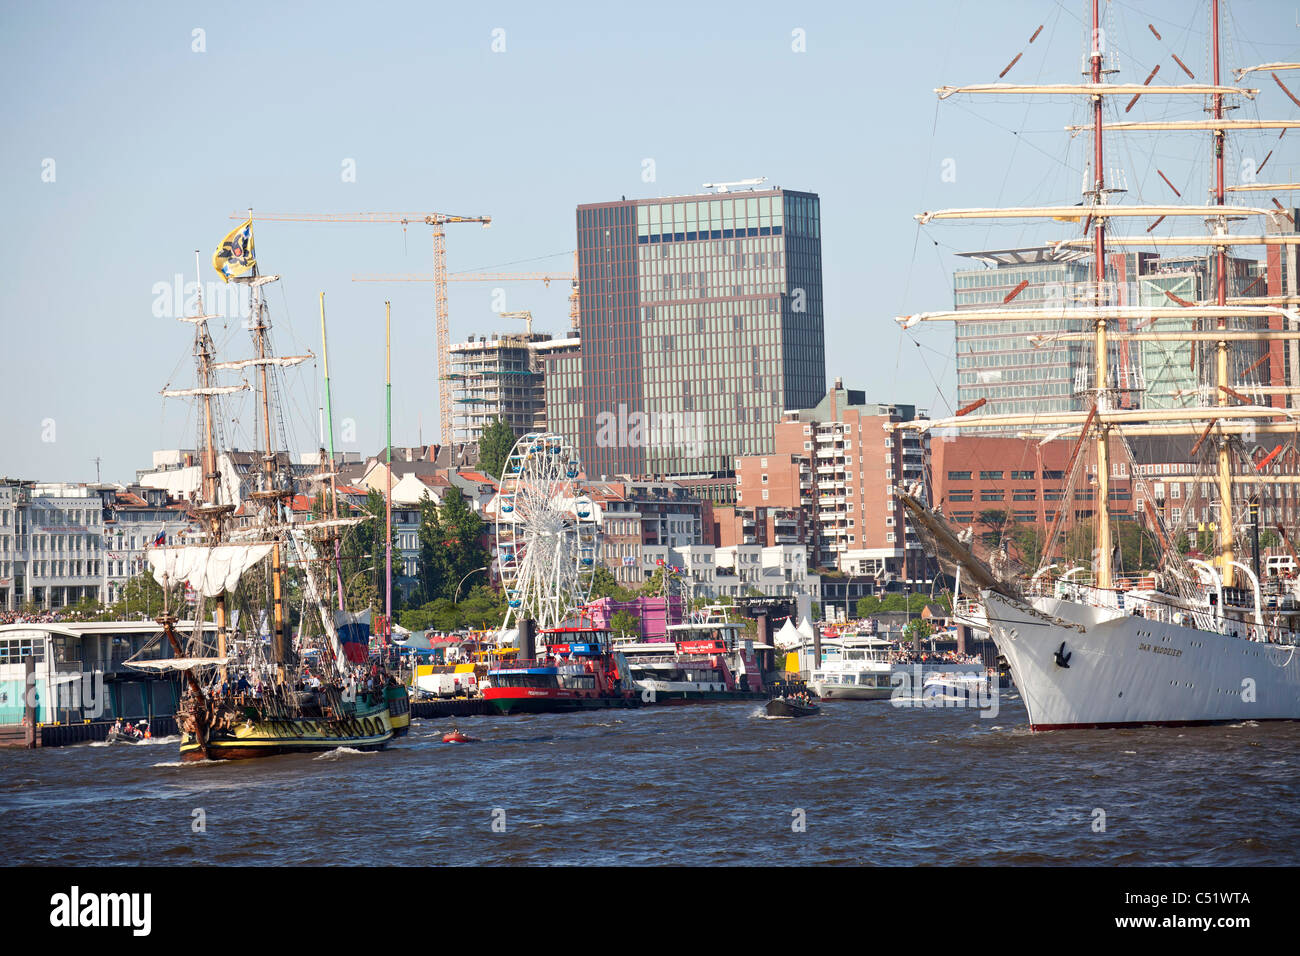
x: 806, y: 629
x: 788, y: 638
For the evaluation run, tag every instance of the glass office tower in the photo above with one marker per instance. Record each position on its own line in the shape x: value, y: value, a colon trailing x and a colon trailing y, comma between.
x: 701, y: 321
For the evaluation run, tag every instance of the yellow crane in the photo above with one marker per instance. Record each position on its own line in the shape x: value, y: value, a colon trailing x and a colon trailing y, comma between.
x: 546, y: 278
x: 438, y: 220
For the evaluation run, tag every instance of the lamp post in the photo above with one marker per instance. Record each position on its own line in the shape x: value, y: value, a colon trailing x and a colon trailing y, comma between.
x: 456, y: 599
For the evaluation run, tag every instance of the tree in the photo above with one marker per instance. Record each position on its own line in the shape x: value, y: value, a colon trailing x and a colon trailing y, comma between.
x: 494, y: 447
x: 450, y: 545
x: 624, y: 622
x: 996, y: 521
x: 142, y: 596
x: 485, y: 608
x: 918, y: 629
x: 1029, y: 543
x: 868, y: 605
x: 605, y: 585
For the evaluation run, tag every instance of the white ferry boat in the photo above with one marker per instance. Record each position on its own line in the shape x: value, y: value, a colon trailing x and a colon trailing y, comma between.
x: 870, y: 668
x: 700, y: 660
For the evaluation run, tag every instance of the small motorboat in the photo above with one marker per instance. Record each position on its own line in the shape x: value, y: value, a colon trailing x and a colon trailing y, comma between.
x: 792, y: 707
x: 456, y: 737
x: 123, y: 736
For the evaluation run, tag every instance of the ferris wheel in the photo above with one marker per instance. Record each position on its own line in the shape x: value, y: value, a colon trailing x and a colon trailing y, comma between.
x: 546, y: 533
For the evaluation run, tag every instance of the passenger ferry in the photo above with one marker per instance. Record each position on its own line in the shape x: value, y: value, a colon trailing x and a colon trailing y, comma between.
x: 870, y: 668
x: 700, y: 660
x: 861, y: 672
x: 577, y: 671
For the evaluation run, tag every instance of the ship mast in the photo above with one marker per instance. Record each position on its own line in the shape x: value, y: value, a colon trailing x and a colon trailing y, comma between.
x: 329, y: 422
x: 1102, y: 377
x: 388, y: 496
x: 204, y: 351
x: 1226, y: 543
x: 281, y: 644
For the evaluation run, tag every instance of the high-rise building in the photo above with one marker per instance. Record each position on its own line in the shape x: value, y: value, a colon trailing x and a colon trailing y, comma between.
x: 495, y: 377
x: 701, y: 320
x: 996, y: 360
x: 1181, y: 374
x: 560, y: 361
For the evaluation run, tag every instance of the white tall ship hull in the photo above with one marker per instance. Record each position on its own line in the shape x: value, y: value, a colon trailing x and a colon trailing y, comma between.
x: 1125, y: 670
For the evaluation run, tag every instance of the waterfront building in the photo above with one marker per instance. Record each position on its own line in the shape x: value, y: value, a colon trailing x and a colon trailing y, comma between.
x: 51, y: 544
x: 701, y: 319
x: 851, y: 466
x: 643, y: 521
x: 80, y: 672
x: 133, y: 518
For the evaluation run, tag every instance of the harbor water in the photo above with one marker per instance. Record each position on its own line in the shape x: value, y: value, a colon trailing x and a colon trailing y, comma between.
x: 863, y: 782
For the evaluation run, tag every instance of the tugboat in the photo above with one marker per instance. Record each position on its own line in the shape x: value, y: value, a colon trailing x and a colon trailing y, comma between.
x: 577, y: 671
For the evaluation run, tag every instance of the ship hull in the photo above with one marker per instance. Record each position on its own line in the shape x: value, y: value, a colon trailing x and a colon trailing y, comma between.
x: 370, y: 728
x: 532, y: 700
x: 1126, y: 671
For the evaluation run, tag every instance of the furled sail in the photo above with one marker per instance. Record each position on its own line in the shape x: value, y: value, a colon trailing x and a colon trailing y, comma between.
x: 208, y: 570
x: 282, y: 361
x: 177, y: 663
x: 215, y: 390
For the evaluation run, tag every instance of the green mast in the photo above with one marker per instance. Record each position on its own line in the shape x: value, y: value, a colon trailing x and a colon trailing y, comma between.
x: 329, y: 419
x: 388, y: 498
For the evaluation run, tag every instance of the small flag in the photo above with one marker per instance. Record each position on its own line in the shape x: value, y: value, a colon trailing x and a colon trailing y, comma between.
x: 660, y: 562
x: 160, y: 538
x: 235, y: 256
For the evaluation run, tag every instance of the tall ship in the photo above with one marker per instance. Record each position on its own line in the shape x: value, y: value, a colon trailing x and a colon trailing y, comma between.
x: 1193, y: 640
x: 264, y: 689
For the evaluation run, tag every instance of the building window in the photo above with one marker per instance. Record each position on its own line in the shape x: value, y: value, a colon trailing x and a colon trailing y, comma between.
x: 959, y: 476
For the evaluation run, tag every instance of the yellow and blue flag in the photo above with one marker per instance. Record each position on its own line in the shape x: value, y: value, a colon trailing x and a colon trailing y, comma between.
x: 235, y: 257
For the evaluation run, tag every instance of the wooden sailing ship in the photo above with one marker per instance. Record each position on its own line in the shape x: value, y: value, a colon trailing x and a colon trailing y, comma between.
x: 1176, y: 647
x: 318, y: 689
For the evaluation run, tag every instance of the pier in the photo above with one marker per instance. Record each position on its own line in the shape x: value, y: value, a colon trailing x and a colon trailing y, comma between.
x: 456, y: 707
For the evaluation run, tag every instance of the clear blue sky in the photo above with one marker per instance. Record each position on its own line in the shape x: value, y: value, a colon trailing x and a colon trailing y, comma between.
x: 155, y: 145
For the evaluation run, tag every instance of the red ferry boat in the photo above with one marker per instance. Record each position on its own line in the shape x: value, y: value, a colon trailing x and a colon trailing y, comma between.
x: 578, y: 671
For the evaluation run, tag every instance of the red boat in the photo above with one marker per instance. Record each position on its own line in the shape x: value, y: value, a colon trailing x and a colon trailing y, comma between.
x: 456, y: 737
x: 577, y: 672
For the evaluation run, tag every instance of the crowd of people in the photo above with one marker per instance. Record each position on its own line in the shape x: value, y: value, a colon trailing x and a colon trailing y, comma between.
x: 930, y: 657
x: 37, y: 617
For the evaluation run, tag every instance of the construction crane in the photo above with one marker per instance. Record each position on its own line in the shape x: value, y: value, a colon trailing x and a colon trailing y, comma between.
x: 546, y: 278
x: 525, y: 315
x: 438, y: 220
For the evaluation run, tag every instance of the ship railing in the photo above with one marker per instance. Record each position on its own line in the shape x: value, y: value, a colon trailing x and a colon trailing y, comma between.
x: 1203, y: 617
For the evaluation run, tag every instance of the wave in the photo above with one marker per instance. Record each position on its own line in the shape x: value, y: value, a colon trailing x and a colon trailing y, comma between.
x: 339, y: 752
